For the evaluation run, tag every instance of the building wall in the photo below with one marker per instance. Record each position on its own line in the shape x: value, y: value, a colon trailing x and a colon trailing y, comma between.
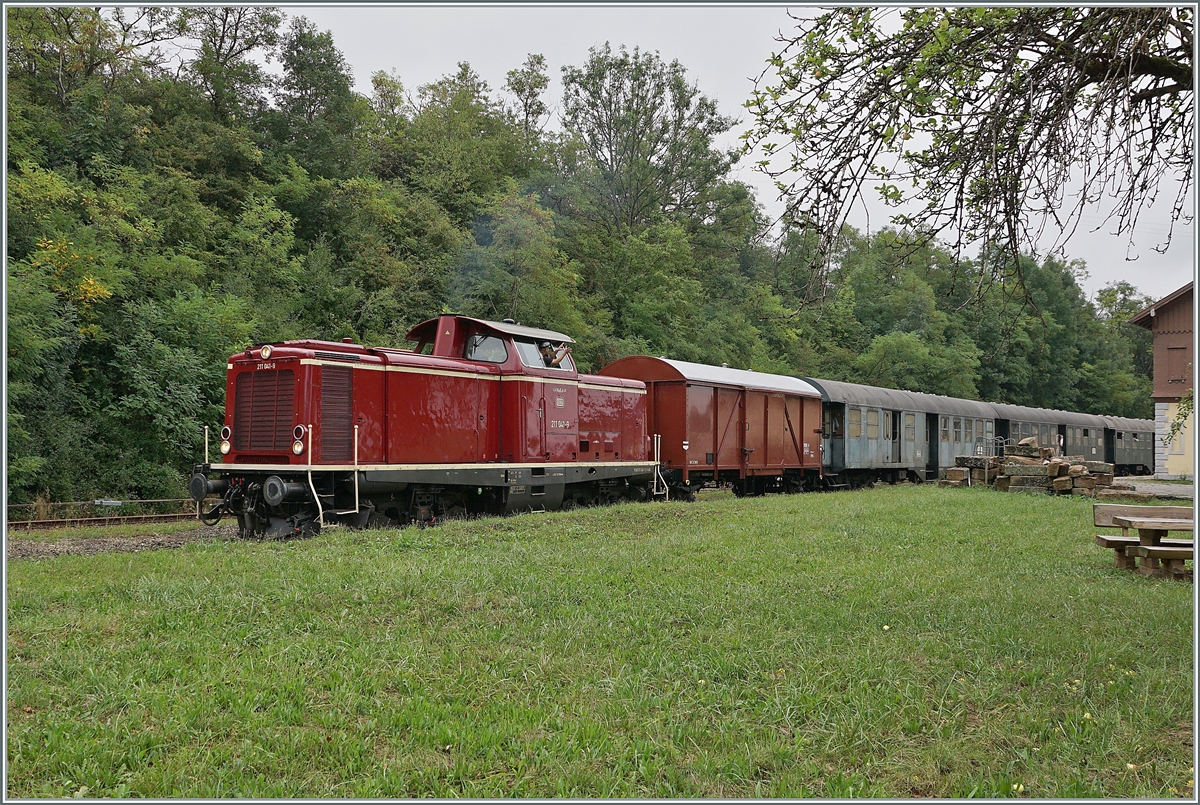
x: 1176, y: 460
x: 1172, y: 328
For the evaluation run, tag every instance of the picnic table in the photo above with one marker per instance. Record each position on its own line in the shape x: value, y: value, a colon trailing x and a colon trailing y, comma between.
x: 1157, y: 558
x: 1152, y: 543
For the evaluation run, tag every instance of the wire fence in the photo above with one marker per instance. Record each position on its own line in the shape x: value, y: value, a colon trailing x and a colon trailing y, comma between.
x: 44, y: 514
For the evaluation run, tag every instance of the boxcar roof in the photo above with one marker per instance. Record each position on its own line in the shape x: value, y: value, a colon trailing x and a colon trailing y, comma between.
x: 1021, y: 413
x: 665, y: 368
x: 901, y: 400
x: 1125, y: 423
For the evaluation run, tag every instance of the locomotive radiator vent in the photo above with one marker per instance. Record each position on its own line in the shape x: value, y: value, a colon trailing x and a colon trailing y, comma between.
x: 337, y: 417
x: 263, y: 405
x: 337, y: 356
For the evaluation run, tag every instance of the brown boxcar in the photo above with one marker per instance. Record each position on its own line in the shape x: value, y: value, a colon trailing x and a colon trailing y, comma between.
x: 759, y: 432
x: 472, y: 420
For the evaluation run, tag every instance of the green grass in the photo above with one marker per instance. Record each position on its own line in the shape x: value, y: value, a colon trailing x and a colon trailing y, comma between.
x: 893, y: 642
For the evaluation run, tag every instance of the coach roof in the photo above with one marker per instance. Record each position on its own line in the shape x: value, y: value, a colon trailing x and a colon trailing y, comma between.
x: 1049, y: 416
x: 900, y: 400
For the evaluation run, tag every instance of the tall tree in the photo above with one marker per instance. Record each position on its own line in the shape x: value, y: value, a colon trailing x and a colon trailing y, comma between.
x: 647, y: 135
x: 527, y: 84
x: 979, y: 118
x: 318, y: 113
x: 460, y: 145
x: 227, y: 40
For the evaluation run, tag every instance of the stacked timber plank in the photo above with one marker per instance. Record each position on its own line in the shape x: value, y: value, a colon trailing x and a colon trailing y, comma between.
x: 1031, y: 469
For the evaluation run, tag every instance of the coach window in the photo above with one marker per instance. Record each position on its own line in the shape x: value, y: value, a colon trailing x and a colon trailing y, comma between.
x: 910, y: 427
x: 854, y: 423
x: 969, y: 431
x: 486, y: 349
x: 958, y: 429
x: 1120, y: 436
x: 945, y: 427
x: 1135, y: 437
x: 872, y: 424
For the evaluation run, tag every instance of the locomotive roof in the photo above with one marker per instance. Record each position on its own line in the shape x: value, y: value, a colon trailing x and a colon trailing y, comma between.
x: 426, y: 329
x: 718, y: 375
x: 900, y: 400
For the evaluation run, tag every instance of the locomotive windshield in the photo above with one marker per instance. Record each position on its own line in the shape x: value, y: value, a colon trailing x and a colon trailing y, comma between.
x: 486, y: 348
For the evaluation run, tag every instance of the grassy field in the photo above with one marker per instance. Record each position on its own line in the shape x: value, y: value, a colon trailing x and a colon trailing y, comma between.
x: 893, y: 642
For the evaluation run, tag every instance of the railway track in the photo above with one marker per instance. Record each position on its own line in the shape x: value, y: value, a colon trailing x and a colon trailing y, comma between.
x: 117, y: 519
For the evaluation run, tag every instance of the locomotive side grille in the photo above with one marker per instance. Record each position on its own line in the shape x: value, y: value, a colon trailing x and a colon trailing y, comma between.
x: 263, y: 405
x: 337, y: 356
x: 337, y: 426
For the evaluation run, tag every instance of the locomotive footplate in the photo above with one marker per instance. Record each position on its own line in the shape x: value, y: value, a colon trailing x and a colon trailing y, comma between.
x: 266, y: 496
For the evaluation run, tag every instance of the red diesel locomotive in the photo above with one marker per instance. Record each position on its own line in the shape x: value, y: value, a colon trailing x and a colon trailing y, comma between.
x: 470, y: 421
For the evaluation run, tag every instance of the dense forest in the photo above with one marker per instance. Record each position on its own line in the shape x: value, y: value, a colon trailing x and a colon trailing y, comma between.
x: 171, y: 202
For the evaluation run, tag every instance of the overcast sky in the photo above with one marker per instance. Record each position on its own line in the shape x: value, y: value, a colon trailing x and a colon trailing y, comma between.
x: 724, y: 48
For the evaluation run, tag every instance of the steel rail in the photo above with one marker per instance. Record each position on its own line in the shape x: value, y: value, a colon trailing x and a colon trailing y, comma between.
x: 117, y: 519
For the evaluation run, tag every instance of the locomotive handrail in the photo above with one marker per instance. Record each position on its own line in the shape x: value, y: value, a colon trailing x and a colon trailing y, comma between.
x: 356, y: 508
x: 666, y: 490
x: 311, y: 485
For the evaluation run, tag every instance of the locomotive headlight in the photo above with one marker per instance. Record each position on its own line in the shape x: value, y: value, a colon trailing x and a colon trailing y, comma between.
x: 297, y: 447
x: 298, y: 432
x: 266, y: 352
x: 226, y: 433
x: 225, y: 447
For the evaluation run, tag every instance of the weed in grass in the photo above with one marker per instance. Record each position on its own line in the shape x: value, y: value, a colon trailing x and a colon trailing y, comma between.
x: 723, y: 648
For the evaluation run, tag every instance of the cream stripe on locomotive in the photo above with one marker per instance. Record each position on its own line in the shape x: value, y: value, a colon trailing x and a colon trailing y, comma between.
x: 451, y: 373
x: 285, y: 468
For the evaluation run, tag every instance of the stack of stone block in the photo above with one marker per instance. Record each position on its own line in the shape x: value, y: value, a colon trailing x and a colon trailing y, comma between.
x: 973, y: 471
x: 1033, y: 469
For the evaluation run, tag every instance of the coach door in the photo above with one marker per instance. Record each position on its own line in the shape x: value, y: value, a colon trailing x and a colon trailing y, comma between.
x: 560, y: 402
x: 931, y: 447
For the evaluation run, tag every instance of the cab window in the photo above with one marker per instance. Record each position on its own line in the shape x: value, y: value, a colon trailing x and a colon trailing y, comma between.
x: 531, y: 356
x: 486, y: 348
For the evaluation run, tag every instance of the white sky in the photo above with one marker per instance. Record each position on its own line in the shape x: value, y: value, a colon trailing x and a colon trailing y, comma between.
x: 723, y: 48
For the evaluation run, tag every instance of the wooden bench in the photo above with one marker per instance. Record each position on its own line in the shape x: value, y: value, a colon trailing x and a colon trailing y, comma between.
x: 1102, y: 517
x: 1170, y: 559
